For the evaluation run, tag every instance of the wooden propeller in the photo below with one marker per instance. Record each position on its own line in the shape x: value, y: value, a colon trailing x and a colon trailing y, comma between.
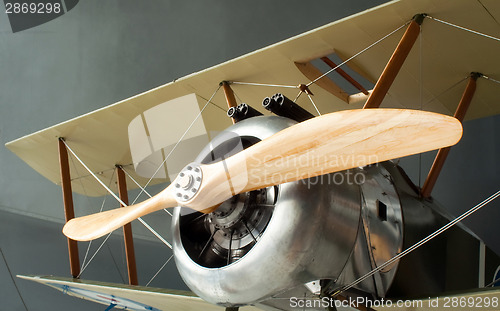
x: 325, y: 144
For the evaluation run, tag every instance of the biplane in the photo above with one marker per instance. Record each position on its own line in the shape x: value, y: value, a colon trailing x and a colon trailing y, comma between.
x: 284, y: 187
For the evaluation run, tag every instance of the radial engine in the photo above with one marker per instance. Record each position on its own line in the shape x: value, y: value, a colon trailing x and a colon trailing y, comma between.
x: 310, y: 236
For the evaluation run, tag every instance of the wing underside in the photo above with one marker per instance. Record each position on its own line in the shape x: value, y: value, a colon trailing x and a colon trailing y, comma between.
x: 128, y: 297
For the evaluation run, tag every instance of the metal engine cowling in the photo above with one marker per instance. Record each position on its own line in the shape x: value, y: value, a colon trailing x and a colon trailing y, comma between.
x: 278, y: 237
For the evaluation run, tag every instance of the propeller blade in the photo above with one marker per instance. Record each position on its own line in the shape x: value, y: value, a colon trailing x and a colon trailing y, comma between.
x: 94, y: 226
x: 330, y: 143
x: 325, y: 144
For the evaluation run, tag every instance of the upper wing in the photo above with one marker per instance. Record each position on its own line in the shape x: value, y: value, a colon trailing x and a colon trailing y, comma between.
x: 448, y: 55
x: 128, y: 297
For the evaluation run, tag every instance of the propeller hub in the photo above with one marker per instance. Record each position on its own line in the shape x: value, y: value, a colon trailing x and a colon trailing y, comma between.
x: 185, y: 181
x: 188, y: 182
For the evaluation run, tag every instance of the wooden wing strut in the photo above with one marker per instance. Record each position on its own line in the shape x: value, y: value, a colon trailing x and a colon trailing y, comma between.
x: 69, y: 212
x: 127, y: 230
x: 229, y: 94
x: 392, y: 68
x: 442, y: 154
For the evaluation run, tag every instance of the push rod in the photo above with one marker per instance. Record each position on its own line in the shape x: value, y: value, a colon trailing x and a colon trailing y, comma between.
x: 442, y: 154
x: 127, y: 229
x: 69, y: 211
x: 395, y: 63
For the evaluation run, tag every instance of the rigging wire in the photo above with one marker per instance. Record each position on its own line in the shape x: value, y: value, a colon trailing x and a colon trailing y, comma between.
x: 219, y: 107
x: 104, y: 202
x: 115, y: 262
x: 418, y: 244
x: 155, y: 233
x: 89, y: 205
x: 329, y: 71
x: 75, y: 167
x: 237, y: 97
x: 359, y: 53
x: 93, y: 174
x: 93, y: 256
x: 13, y: 280
x: 463, y: 28
x: 142, y: 189
x: 490, y: 79
x: 447, y: 90
x: 315, y: 107
x: 100, y: 210
x: 161, y: 165
x: 158, y: 272
x: 180, y: 139
x: 298, y: 95
x: 84, y: 264
x: 115, y: 196
x: 326, y: 73
x: 149, y: 181
x: 89, y: 175
x: 264, y: 84
x: 494, y: 282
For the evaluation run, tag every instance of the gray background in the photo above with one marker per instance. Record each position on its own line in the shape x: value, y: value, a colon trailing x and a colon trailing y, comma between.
x: 105, y: 51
